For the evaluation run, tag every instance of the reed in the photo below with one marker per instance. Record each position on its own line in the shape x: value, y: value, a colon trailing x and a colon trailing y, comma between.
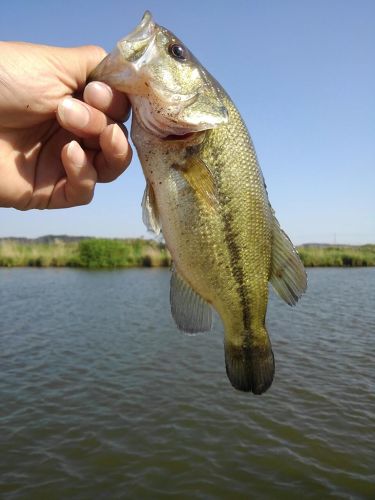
x: 337, y: 256
x: 14, y: 254
x: 87, y: 253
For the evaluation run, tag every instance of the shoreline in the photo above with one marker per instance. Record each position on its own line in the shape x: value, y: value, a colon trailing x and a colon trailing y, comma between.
x: 105, y: 253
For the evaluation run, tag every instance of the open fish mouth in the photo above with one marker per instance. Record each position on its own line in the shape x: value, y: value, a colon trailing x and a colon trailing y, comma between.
x: 119, y: 67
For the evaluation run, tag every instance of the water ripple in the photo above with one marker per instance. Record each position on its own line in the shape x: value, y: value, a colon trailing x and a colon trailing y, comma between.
x: 103, y: 398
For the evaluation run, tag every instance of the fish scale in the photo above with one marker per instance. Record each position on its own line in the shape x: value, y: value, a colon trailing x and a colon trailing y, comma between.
x: 206, y: 193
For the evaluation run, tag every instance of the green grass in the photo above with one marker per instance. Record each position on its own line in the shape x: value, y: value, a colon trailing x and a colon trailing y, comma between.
x: 337, y: 256
x: 112, y: 253
x: 87, y: 253
x: 17, y: 254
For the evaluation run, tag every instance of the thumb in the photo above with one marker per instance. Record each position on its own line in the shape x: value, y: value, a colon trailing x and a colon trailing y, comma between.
x: 78, y: 63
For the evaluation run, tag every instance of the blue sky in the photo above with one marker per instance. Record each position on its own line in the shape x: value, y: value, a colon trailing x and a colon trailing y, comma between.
x: 302, y: 74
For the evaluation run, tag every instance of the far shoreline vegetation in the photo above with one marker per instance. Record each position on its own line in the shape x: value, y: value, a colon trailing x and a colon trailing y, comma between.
x: 101, y: 253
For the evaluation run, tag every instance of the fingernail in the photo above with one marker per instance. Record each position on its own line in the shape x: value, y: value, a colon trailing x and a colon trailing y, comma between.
x: 76, y: 154
x: 103, y: 89
x: 73, y: 113
x: 118, y: 141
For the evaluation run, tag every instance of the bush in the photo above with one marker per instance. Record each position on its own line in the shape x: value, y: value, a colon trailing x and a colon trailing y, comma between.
x: 103, y: 253
x: 6, y: 261
x: 146, y: 261
x: 36, y: 262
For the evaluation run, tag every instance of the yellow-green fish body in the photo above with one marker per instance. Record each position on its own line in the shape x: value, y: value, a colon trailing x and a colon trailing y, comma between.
x: 206, y: 193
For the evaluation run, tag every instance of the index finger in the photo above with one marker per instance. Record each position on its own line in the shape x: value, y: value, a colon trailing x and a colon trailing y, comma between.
x: 113, y: 103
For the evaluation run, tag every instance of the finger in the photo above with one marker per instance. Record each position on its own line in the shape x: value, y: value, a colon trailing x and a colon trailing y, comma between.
x: 78, y: 186
x: 113, y: 103
x: 77, y: 63
x: 94, y: 142
x: 80, y: 118
x: 88, y: 56
x: 115, y: 154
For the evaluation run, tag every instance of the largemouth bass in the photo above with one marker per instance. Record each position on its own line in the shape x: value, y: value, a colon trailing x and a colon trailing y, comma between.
x: 206, y: 193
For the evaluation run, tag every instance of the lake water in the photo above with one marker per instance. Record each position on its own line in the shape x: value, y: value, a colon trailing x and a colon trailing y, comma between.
x: 101, y: 397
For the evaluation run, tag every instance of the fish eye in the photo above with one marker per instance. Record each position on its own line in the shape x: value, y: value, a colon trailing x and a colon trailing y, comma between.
x: 177, y: 51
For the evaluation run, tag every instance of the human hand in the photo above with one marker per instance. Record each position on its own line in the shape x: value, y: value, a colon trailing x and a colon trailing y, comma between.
x: 53, y: 147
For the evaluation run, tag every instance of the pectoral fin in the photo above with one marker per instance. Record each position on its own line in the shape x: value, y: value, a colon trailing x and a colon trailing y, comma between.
x: 200, y: 178
x: 150, y: 214
x: 190, y: 311
x: 288, y: 274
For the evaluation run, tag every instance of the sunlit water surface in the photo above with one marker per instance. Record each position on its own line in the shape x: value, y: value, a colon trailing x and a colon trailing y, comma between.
x: 101, y: 396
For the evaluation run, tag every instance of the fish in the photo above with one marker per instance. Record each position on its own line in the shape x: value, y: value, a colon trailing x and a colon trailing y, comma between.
x: 205, y: 193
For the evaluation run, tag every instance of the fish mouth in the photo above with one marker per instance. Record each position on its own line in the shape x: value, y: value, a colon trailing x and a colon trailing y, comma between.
x: 119, y: 68
x: 144, y: 30
x: 133, y: 46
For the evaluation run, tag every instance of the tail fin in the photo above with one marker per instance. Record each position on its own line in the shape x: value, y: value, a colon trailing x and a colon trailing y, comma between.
x: 250, y: 368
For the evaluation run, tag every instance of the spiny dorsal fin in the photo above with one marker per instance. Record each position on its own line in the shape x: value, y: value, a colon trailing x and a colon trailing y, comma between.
x: 200, y: 178
x: 190, y: 311
x: 288, y: 274
x: 150, y: 214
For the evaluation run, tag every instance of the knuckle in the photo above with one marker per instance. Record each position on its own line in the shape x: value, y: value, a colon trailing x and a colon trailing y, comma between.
x: 86, y: 196
x: 79, y: 194
x: 33, y: 202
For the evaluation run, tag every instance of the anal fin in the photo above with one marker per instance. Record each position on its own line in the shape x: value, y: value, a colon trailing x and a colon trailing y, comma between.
x: 190, y: 311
